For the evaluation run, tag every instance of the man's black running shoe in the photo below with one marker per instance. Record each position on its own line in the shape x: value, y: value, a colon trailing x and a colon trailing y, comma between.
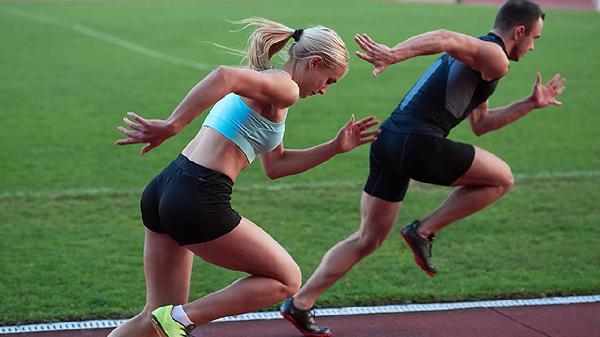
x: 420, y: 247
x: 304, y: 320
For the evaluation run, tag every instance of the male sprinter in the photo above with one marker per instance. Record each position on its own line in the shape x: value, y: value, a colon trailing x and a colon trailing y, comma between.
x: 413, y: 144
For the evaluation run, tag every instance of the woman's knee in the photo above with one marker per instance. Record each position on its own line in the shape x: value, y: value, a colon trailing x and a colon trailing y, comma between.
x: 294, y: 281
x: 289, y: 280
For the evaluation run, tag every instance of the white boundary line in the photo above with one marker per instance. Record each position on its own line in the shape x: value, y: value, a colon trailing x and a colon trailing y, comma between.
x: 107, y: 38
x: 386, y: 309
x: 273, y: 186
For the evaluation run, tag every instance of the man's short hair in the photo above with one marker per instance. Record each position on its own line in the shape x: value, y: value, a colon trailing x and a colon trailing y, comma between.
x: 518, y: 13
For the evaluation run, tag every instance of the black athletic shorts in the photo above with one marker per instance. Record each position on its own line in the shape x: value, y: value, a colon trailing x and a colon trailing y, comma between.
x: 396, y: 158
x: 189, y: 202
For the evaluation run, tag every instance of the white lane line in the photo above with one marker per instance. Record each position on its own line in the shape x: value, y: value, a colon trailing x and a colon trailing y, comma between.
x: 268, y: 315
x: 107, y: 38
x: 271, y: 186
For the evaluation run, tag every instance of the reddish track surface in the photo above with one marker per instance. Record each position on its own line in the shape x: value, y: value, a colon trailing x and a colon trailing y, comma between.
x: 567, y: 4
x: 571, y: 320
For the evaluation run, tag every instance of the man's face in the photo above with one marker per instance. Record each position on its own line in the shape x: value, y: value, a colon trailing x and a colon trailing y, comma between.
x: 524, y: 42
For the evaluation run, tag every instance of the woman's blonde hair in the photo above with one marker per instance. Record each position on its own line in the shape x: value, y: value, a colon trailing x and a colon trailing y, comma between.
x: 270, y: 37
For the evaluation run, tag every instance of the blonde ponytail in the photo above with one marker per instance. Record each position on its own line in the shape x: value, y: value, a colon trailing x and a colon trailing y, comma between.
x: 270, y: 37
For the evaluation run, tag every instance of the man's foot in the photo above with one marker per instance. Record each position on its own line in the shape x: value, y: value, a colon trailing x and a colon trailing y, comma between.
x: 420, y: 247
x: 304, y: 320
x: 166, y: 326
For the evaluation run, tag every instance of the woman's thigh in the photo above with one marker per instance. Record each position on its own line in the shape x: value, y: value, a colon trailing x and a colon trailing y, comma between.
x: 250, y: 249
x: 168, y: 268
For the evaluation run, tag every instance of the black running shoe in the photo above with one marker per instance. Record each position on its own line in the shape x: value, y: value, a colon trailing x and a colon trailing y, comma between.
x: 304, y: 320
x: 420, y: 247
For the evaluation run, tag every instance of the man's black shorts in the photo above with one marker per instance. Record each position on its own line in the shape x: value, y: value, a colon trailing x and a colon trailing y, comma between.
x: 189, y: 202
x: 396, y: 158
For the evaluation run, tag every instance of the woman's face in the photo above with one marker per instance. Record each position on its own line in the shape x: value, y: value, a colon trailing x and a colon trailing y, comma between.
x: 315, y: 77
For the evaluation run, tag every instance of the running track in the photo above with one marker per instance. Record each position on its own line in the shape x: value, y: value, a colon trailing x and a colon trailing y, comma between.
x: 567, y: 320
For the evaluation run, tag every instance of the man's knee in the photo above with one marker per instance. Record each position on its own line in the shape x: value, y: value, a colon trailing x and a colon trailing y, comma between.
x: 506, y: 180
x: 368, y: 242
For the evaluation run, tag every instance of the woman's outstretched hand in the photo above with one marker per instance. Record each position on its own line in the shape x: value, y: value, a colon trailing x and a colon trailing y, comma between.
x: 151, y: 132
x: 354, y: 134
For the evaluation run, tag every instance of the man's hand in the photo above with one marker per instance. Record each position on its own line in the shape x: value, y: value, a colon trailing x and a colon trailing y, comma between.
x: 544, y: 95
x: 377, y: 54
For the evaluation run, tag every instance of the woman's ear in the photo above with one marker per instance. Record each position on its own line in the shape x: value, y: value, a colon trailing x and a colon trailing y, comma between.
x: 315, y: 61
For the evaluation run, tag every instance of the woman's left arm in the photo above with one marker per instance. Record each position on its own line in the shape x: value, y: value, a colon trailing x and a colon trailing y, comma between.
x: 282, y: 162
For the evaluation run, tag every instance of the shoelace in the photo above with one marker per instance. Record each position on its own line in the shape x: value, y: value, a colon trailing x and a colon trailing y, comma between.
x: 310, y: 316
x: 430, y: 238
x: 188, y: 329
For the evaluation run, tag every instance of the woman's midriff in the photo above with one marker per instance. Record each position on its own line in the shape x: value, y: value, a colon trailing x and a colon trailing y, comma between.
x: 214, y: 151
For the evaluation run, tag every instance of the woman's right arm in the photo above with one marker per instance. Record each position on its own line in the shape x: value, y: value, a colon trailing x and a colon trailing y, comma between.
x: 273, y: 87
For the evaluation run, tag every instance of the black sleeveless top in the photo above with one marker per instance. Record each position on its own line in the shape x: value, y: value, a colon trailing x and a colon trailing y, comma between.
x: 443, y: 97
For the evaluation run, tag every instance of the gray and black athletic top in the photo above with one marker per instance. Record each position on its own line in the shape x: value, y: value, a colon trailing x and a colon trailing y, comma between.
x: 443, y: 97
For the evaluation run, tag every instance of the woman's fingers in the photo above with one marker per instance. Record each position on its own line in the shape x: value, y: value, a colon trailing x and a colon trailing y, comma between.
x: 369, y: 134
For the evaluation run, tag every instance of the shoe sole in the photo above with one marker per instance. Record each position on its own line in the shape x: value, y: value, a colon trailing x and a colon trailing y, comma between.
x: 418, y: 260
x: 299, y: 327
x: 158, y: 327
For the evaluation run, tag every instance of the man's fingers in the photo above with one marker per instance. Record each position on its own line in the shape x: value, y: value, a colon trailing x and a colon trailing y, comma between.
x: 560, y: 90
x: 369, y: 39
x: 365, y: 57
x: 538, y: 79
x: 350, y: 122
x: 554, y: 81
x: 136, y: 117
x: 557, y: 103
x: 130, y: 133
x: 132, y: 124
x: 378, y: 70
x: 363, y: 44
x: 127, y: 141
x: 558, y: 83
x: 147, y: 148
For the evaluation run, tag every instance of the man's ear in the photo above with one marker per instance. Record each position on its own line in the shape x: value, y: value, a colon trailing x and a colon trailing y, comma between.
x: 519, y: 32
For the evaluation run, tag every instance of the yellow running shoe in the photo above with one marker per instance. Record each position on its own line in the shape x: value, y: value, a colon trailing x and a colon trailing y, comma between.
x: 166, y: 326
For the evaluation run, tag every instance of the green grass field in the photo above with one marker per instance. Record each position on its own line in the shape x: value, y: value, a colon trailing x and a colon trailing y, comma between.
x: 72, y: 239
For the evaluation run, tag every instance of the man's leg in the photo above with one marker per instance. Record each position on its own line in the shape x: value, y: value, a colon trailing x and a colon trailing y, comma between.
x: 487, y: 179
x: 377, y: 220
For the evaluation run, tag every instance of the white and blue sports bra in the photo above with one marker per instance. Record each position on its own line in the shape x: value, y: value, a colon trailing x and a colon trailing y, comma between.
x: 246, y: 128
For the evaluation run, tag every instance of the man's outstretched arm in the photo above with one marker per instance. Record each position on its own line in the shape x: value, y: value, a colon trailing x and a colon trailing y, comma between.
x: 484, y: 120
x: 488, y: 58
